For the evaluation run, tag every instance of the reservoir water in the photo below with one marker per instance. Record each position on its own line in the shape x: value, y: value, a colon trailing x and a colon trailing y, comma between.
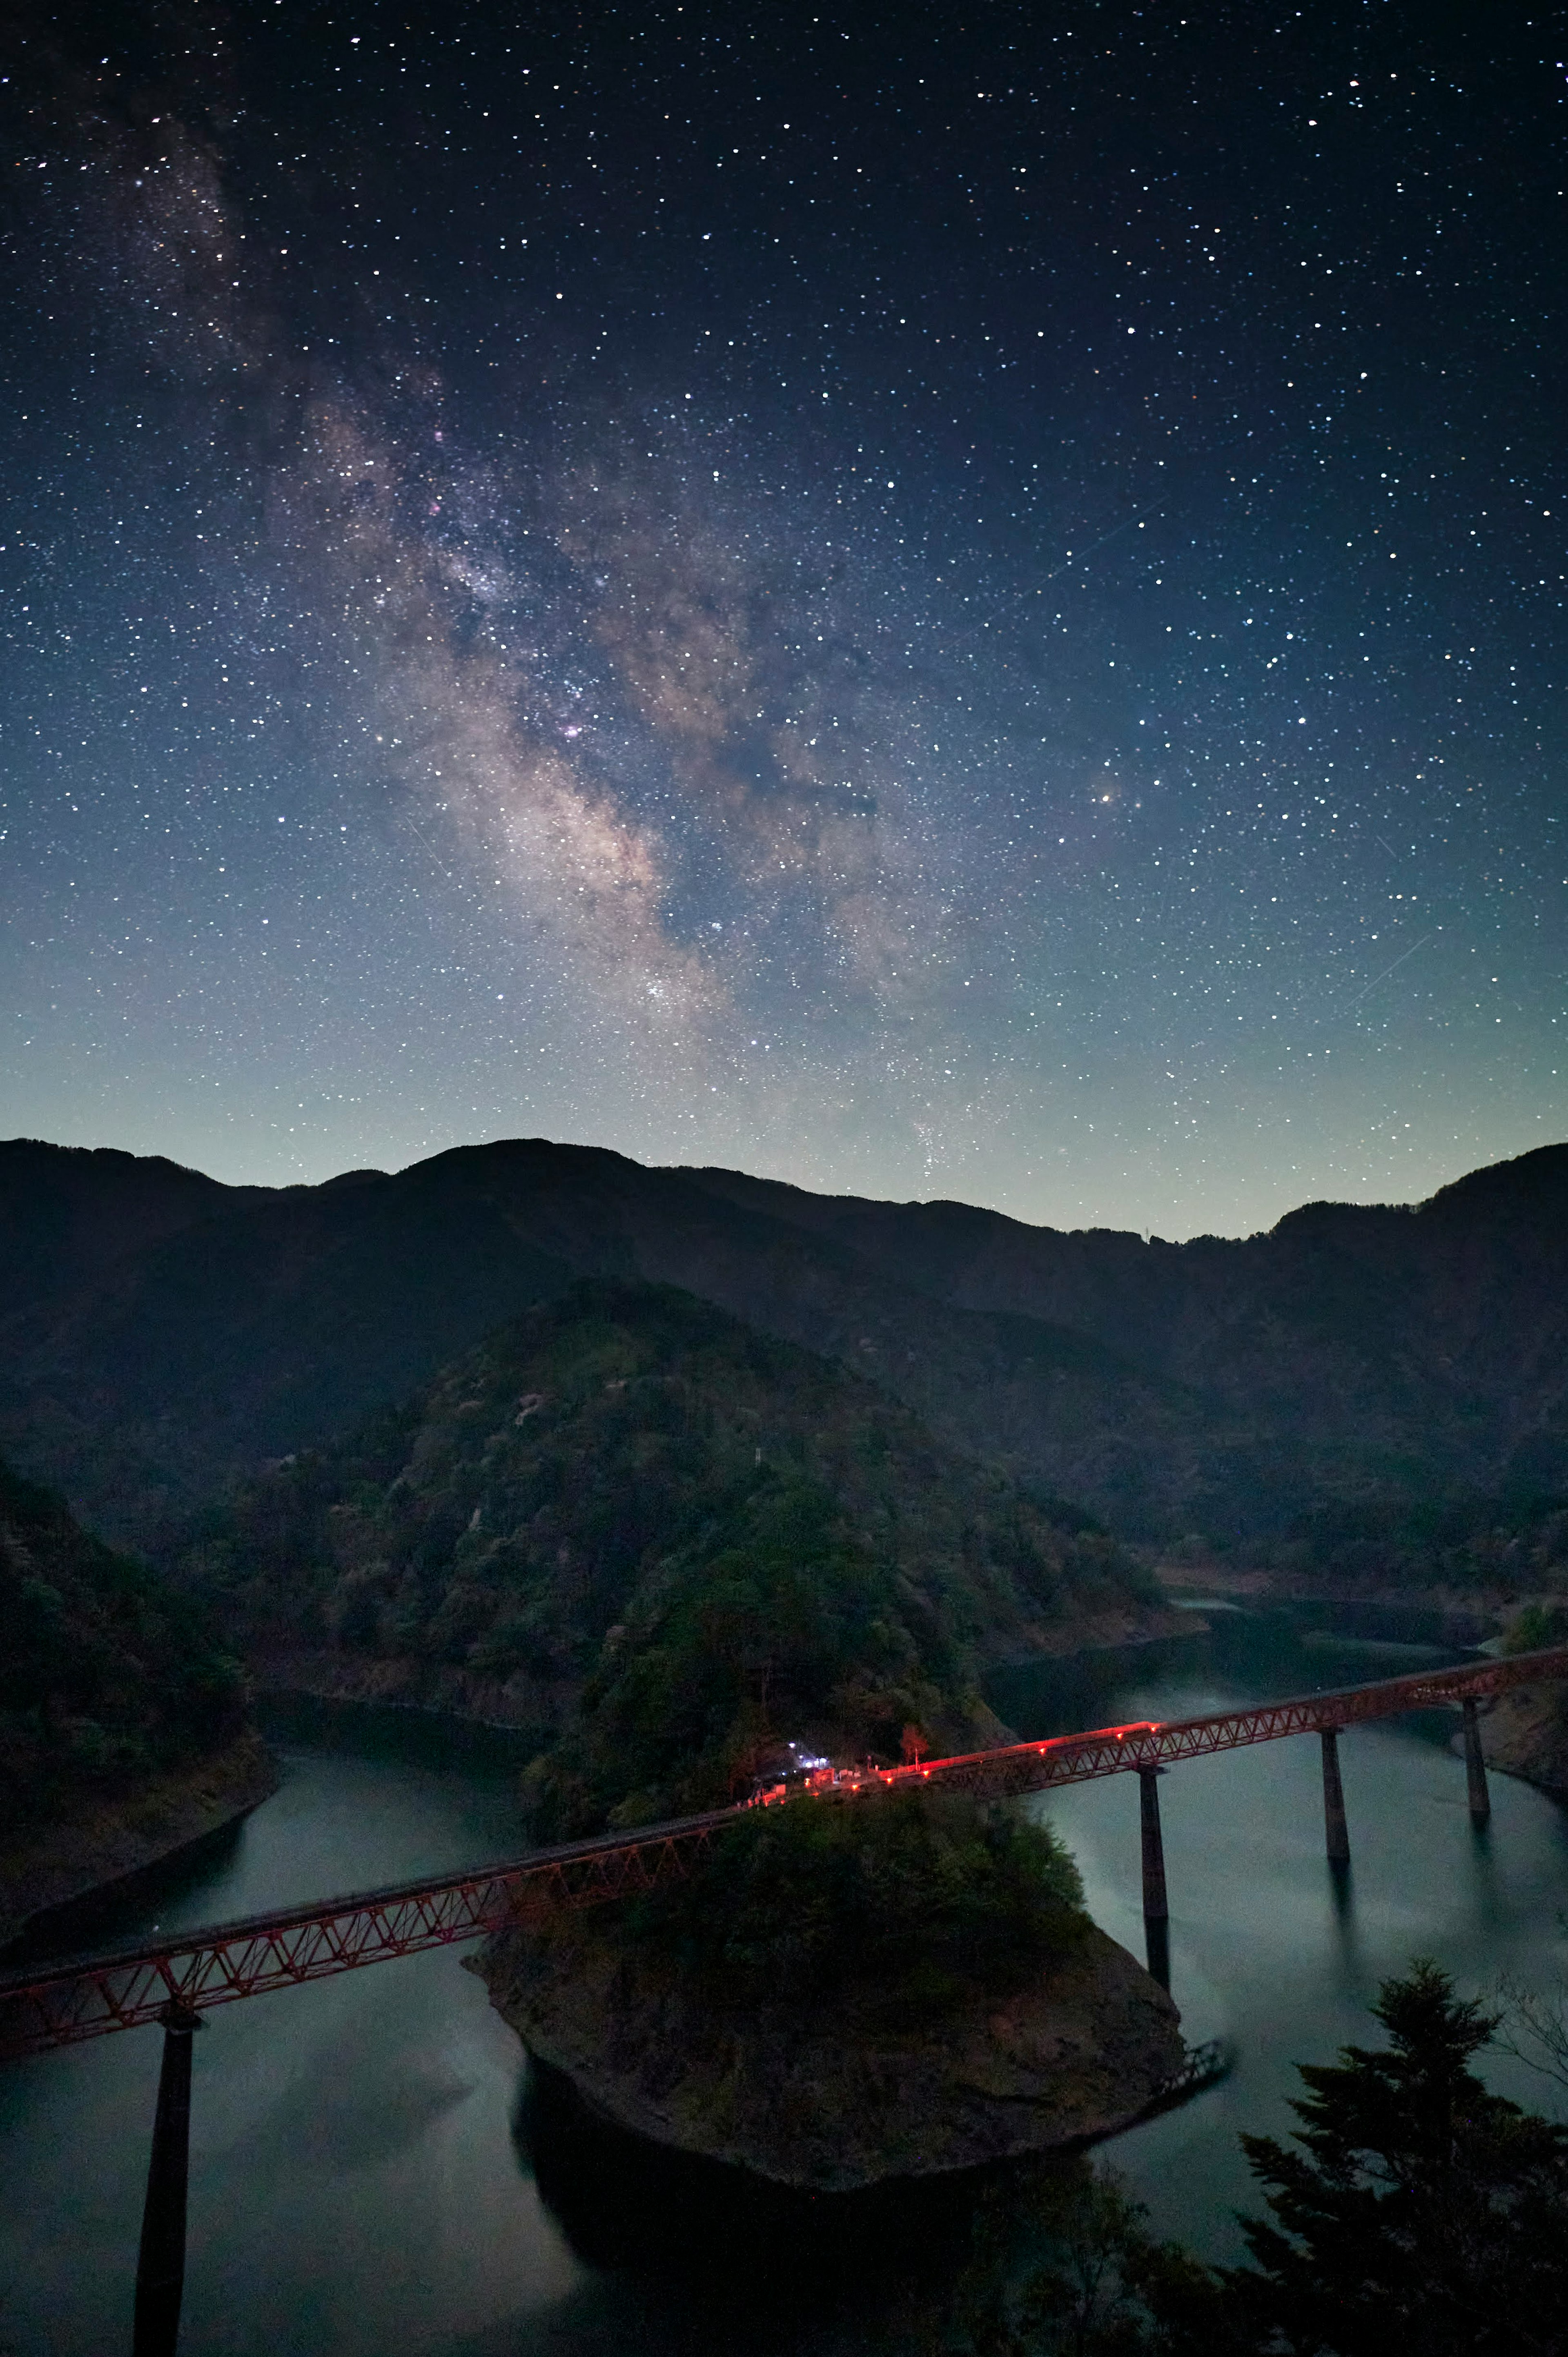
x: 365, y: 2163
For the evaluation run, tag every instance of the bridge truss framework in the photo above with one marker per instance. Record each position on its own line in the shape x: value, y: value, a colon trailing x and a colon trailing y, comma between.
x: 195, y: 1971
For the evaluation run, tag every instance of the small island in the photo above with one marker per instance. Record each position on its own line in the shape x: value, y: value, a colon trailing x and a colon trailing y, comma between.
x: 843, y: 1991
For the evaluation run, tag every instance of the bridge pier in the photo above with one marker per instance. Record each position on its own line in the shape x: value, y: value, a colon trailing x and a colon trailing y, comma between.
x: 160, y: 2262
x: 1155, y: 1906
x: 1339, y: 1833
x: 1156, y: 1909
x: 1475, y: 1765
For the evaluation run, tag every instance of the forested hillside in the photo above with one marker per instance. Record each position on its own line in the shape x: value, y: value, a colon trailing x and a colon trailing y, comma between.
x: 168, y: 1334
x: 629, y: 1504
x: 107, y: 1673
x: 1505, y: 1544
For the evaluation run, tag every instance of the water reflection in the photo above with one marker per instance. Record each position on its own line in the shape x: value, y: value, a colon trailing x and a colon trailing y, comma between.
x: 364, y: 2178
x: 624, y: 2201
x: 725, y: 2262
x: 1272, y: 1946
x: 1233, y: 1655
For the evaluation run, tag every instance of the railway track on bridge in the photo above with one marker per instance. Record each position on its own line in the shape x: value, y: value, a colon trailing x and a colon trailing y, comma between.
x: 1107, y: 1751
x: 195, y: 1971
x: 177, y: 1981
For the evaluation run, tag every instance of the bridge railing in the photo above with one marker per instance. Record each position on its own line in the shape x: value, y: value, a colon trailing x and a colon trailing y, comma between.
x: 1076, y: 1758
x: 126, y: 1988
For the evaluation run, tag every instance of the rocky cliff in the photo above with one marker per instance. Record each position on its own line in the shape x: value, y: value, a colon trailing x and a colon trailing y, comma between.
x: 1526, y: 1734
x: 840, y: 2095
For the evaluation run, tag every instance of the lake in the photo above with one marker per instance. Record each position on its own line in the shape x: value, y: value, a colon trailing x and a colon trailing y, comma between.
x: 367, y: 2155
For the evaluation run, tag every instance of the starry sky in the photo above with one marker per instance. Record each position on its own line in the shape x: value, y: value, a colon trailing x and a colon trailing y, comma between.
x: 926, y: 600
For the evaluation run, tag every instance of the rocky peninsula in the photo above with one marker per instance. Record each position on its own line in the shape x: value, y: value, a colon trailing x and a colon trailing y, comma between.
x: 839, y: 2095
x: 845, y: 1991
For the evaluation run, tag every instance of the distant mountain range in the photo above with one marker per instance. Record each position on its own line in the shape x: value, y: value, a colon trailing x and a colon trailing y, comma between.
x: 162, y: 1334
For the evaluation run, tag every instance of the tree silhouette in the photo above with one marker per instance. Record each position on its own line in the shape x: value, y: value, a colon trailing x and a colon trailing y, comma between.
x: 1419, y: 2212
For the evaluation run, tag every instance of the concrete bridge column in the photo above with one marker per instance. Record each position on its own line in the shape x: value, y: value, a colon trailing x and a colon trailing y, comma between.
x: 1156, y: 1910
x: 1475, y: 1765
x: 1334, y: 1800
x: 160, y: 2264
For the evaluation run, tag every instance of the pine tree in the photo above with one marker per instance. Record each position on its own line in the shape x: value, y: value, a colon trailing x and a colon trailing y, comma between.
x: 1419, y: 2213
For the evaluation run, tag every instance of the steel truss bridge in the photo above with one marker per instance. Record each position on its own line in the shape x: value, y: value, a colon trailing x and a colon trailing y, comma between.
x: 187, y: 1975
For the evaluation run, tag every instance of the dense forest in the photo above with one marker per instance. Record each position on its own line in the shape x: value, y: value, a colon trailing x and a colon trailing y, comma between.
x: 667, y: 1542
x: 1501, y: 1544
x: 106, y: 1672
x: 163, y: 1333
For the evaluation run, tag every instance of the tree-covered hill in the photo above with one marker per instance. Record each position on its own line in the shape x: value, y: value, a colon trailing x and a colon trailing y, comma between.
x: 1506, y: 1545
x: 667, y: 1542
x: 107, y: 1673
x: 164, y: 1334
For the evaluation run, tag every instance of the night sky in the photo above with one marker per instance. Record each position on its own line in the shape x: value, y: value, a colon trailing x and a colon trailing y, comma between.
x: 929, y: 602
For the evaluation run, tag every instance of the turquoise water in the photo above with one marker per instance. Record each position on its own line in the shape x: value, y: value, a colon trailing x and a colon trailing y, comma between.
x: 1267, y: 1950
x: 362, y: 2175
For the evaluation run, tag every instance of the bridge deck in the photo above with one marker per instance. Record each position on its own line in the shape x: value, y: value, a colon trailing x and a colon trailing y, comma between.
x: 123, y: 1988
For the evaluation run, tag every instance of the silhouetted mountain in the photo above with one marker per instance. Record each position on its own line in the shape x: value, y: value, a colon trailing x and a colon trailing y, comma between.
x: 68, y: 1212
x: 1350, y: 1355
x: 1360, y: 1349
x: 106, y: 1672
x: 718, y: 1540
x: 275, y: 1320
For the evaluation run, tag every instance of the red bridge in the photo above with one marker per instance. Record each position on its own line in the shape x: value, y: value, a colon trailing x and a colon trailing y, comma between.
x: 176, y: 1981
x: 128, y: 1987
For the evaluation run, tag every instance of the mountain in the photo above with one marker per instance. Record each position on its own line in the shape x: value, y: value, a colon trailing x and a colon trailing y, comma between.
x: 68, y: 1212
x: 107, y: 1676
x: 1362, y: 1357
x: 263, y: 1320
x: 628, y: 1519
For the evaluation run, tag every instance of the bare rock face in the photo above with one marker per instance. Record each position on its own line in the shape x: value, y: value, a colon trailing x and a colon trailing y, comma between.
x: 1525, y: 1733
x: 840, y: 2095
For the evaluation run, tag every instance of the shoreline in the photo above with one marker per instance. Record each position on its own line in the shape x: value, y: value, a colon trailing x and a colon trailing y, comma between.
x: 104, y: 1845
x: 1265, y: 1586
x: 840, y: 2099
x: 386, y: 1683
x: 1523, y: 1734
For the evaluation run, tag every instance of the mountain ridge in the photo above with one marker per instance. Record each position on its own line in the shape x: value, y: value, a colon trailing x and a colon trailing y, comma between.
x: 1220, y: 1385
x: 630, y: 1501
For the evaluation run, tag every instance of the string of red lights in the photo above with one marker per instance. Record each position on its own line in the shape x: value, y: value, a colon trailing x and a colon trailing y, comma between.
x: 217, y: 1965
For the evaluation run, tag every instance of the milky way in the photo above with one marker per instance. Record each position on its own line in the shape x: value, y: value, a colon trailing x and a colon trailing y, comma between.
x: 929, y: 607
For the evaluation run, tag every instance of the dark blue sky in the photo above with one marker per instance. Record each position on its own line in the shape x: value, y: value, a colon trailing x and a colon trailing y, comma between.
x: 928, y: 601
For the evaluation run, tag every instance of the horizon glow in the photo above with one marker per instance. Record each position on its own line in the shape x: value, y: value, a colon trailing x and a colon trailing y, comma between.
x: 924, y: 612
